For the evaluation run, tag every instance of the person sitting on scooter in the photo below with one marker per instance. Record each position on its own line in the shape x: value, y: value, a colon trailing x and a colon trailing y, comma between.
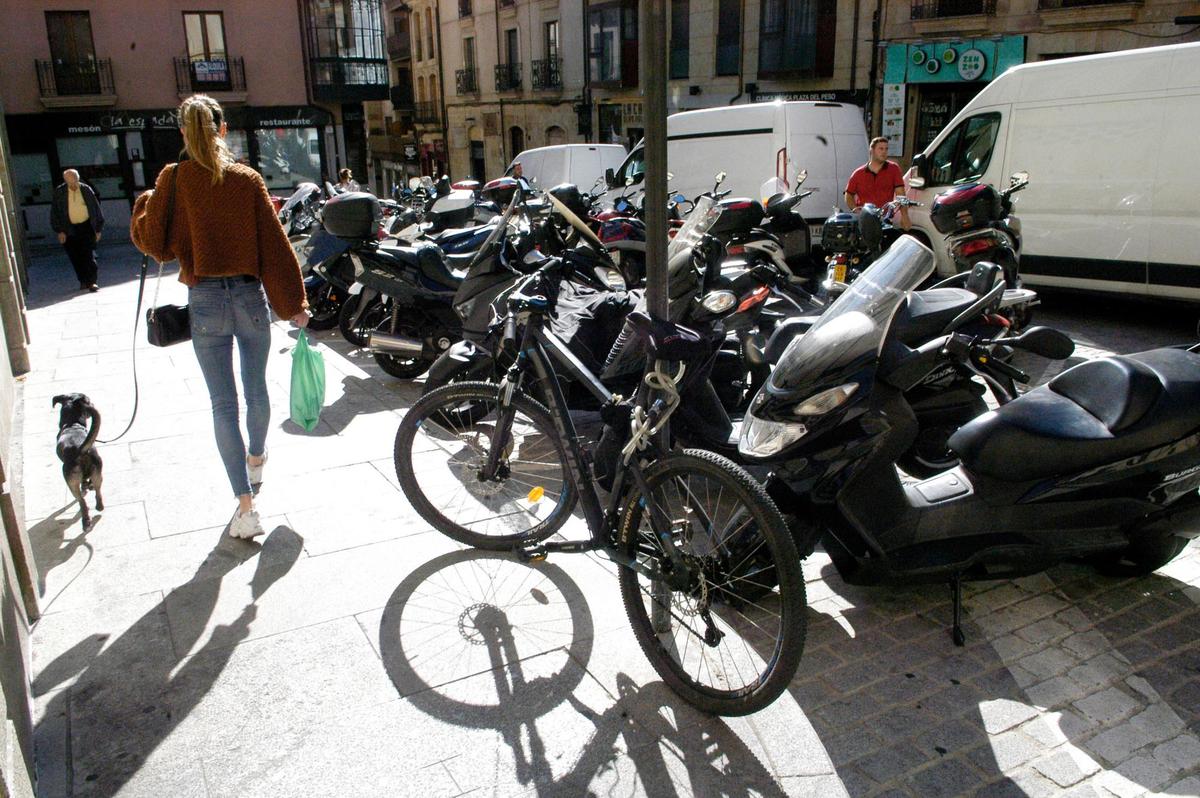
x: 877, y: 182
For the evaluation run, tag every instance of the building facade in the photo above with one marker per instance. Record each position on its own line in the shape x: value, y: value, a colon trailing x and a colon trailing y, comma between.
x: 938, y: 54
x: 346, y: 65
x: 96, y: 90
x: 513, y: 76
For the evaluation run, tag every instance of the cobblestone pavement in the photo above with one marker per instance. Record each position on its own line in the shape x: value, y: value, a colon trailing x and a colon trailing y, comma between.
x: 347, y: 653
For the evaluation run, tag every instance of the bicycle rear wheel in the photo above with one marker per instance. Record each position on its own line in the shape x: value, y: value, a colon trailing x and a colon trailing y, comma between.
x: 731, y: 643
x: 441, y: 449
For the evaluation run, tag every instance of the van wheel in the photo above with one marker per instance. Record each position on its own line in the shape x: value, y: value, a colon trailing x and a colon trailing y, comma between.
x: 1141, y: 557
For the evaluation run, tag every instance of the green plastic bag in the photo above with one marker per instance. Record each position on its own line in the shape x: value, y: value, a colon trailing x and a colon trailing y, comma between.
x: 308, y: 384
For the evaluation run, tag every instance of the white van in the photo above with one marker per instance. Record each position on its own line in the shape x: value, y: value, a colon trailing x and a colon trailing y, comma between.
x: 1106, y: 140
x: 753, y: 143
x: 581, y: 164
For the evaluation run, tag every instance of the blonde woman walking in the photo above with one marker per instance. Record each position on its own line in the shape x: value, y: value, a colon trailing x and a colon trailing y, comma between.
x: 235, y: 258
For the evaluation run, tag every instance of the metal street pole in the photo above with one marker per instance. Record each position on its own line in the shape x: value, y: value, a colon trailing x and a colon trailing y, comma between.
x: 654, y: 112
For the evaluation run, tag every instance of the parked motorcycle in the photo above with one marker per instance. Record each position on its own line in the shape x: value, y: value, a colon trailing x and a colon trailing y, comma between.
x: 979, y: 226
x: 852, y: 241
x: 1102, y: 463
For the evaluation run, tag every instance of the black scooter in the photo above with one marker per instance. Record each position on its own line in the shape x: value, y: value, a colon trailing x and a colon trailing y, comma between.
x: 1101, y: 464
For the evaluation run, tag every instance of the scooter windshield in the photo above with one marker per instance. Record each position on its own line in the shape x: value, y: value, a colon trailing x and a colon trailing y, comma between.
x: 301, y: 194
x: 856, y: 324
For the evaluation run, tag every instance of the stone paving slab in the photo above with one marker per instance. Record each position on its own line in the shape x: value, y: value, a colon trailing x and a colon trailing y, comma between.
x: 351, y: 651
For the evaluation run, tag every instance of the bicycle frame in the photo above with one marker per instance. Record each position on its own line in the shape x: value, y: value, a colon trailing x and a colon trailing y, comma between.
x: 601, y: 522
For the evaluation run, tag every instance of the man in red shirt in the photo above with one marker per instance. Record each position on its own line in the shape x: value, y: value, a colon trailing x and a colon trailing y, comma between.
x: 878, y: 181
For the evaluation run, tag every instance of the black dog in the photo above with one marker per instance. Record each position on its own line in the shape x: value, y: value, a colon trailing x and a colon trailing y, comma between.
x: 82, y: 466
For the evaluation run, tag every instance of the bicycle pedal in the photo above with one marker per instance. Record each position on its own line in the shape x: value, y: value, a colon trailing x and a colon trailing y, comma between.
x: 533, y: 553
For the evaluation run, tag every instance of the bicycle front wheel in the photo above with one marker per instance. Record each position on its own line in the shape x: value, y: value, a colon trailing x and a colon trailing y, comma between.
x: 441, y: 454
x: 731, y: 642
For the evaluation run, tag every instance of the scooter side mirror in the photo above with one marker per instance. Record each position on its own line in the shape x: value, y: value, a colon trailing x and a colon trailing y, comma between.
x: 721, y: 178
x: 1044, y: 341
x: 1018, y: 178
x: 801, y: 176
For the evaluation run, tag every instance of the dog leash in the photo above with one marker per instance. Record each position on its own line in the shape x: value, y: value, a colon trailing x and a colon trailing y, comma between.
x: 137, y: 316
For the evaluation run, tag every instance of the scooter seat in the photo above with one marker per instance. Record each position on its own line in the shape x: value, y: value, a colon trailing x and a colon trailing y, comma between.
x: 1096, y: 413
x: 928, y: 312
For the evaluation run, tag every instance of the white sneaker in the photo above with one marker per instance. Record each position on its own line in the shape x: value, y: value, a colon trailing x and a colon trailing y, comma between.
x: 246, y: 525
x: 256, y: 471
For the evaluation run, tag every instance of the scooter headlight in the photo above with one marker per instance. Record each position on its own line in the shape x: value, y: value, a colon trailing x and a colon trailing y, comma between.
x: 825, y: 401
x: 763, y: 438
x: 718, y: 301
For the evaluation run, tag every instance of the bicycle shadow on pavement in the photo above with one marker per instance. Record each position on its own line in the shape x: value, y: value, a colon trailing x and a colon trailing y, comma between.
x: 473, y: 613
x: 1044, y: 695
x: 131, y: 692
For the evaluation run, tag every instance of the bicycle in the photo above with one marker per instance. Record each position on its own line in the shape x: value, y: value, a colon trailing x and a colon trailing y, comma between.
x: 704, y: 553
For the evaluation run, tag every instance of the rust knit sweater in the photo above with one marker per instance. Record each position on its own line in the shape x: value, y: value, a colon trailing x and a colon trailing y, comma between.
x: 220, y: 231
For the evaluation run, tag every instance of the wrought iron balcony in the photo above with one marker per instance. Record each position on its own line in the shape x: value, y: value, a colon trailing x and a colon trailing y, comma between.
x: 938, y: 9
x: 426, y: 114
x: 226, y: 74
x: 92, y: 80
x: 466, y: 81
x: 508, y: 77
x: 546, y: 74
x: 399, y: 46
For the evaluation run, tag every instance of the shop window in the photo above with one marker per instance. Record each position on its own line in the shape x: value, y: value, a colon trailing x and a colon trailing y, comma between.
x: 964, y: 154
x: 285, y: 156
x: 236, y: 141
x: 31, y: 174
x: 98, y: 161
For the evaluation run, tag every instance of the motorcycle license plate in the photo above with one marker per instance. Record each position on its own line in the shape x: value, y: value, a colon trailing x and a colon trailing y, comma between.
x: 839, y: 272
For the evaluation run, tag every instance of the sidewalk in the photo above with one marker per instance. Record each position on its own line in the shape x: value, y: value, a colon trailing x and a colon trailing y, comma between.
x: 340, y: 657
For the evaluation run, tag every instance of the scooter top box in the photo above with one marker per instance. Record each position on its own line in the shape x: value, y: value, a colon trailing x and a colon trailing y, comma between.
x: 964, y: 207
x: 352, y: 215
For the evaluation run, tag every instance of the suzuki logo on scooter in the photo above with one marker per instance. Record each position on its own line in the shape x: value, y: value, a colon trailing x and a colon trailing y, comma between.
x: 1187, y: 472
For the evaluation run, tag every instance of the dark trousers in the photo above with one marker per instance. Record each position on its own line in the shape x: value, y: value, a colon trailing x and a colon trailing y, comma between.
x: 81, y: 249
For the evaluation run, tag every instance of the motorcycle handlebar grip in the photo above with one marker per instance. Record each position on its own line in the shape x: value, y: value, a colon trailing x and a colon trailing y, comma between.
x: 1011, y: 372
x: 508, y: 341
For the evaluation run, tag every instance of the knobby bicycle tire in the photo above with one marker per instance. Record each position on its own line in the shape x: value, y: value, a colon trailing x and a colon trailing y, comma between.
x: 439, y: 410
x: 783, y: 567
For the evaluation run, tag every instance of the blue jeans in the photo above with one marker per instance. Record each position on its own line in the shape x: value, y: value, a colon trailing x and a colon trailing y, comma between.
x: 223, y: 309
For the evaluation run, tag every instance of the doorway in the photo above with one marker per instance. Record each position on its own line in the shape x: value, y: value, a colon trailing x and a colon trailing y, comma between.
x: 72, y: 52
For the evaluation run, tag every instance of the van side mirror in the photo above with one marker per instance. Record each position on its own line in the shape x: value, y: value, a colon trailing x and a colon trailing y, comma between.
x: 917, y: 172
x: 610, y: 178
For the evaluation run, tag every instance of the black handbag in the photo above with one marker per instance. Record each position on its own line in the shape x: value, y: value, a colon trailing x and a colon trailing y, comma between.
x: 165, y: 324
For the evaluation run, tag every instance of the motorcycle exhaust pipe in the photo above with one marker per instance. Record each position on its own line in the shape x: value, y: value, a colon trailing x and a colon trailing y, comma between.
x: 395, y: 344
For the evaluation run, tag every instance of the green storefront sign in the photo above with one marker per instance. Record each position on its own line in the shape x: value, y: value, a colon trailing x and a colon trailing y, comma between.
x: 953, y: 62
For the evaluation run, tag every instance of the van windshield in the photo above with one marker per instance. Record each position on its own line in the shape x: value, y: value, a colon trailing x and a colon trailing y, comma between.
x: 964, y: 155
x: 634, y: 166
